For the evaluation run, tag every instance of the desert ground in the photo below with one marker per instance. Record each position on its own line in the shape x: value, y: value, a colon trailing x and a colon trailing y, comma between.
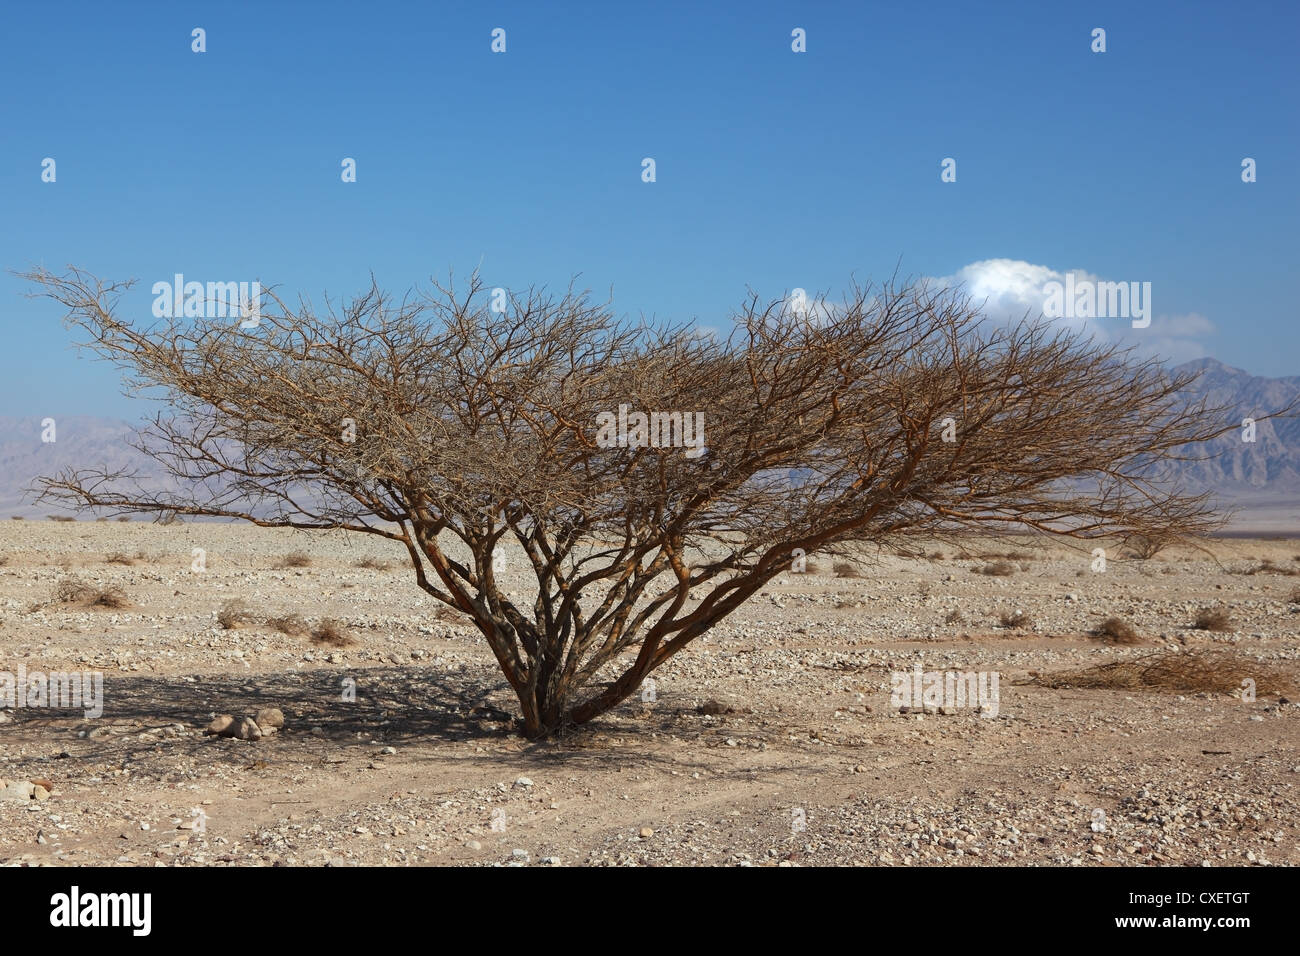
x: 771, y: 741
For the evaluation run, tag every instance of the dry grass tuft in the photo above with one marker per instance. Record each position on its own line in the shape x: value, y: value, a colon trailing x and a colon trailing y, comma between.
x: 295, y: 560
x: 1118, y: 630
x: 291, y: 624
x: 1210, y: 671
x: 1018, y: 620
x: 997, y: 569
x: 954, y: 617
x: 61, y: 518
x: 73, y: 591
x: 118, y: 557
x: 843, y: 569
x: 234, y: 615
x: 332, y: 634
x: 1213, y: 619
x: 373, y: 564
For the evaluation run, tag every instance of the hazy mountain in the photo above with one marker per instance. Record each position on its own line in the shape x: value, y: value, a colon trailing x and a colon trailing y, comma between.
x: 1260, y: 478
x: 80, y: 441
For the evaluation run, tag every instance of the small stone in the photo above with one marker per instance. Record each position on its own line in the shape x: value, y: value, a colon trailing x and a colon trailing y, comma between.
x: 646, y: 833
x: 474, y: 845
x: 523, y: 782
x: 219, y: 726
x: 271, y: 718
x: 551, y: 860
x: 40, y: 793
x: 18, y: 790
x: 245, y: 729
x: 388, y: 751
x: 519, y: 854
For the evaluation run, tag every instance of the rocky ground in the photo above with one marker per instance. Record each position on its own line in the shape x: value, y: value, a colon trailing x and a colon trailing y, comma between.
x: 772, y: 741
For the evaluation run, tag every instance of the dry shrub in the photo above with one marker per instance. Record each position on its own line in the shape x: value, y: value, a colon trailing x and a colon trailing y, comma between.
x: 1146, y: 546
x: 295, y: 560
x: 332, y: 634
x: 123, y: 517
x: 936, y: 556
x: 373, y: 564
x: 1018, y: 620
x: 4, y: 559
x: 61, y: 518
x: 73, y: 591
x: 1208, y: 671
x: 1213, y: 619
x: 954, y: 617
x: 1295, y: 596
x: 1118, y: 630
x: 291, y: 624
x: 16, y: 518
x: 843, y: 569
x: 234, y: 615
x: 118, y: 557
x: 997, y: 569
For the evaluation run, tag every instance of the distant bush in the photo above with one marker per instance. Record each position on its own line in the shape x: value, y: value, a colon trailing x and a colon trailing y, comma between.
x: 295, y: 560
x: 234, y: 614
x: 1212, y: 619
x: 73, y: 591
x: 16, y: 518
x: 332, y: 634
x: 1118, y: 630
x: 843, y: 569
x: 1208, y: 671
x: 118, y: 558
x: 1268, y: 567
x: 61, y: 517
x: 123, y: 517
x: 290, y: 624
x: 1147, y: 546
x: 373, y: 564
x: 998, y: 569
x: 954, y: 617
x: 1018, y: 620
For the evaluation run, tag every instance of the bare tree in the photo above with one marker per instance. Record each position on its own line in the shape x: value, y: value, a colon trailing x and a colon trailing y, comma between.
x: 454, y: 428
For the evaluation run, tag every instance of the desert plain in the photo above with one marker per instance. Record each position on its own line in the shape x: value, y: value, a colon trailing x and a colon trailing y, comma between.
x: 776, y: 739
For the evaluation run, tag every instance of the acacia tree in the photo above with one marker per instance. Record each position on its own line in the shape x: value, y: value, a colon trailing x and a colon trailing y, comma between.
x: 456, y: 427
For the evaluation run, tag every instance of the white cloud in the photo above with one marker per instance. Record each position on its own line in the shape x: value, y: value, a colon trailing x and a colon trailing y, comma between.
x: 1009, y: 289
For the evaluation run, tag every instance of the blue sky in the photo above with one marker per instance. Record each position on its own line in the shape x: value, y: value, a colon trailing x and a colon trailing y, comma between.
x: 775, y: 169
